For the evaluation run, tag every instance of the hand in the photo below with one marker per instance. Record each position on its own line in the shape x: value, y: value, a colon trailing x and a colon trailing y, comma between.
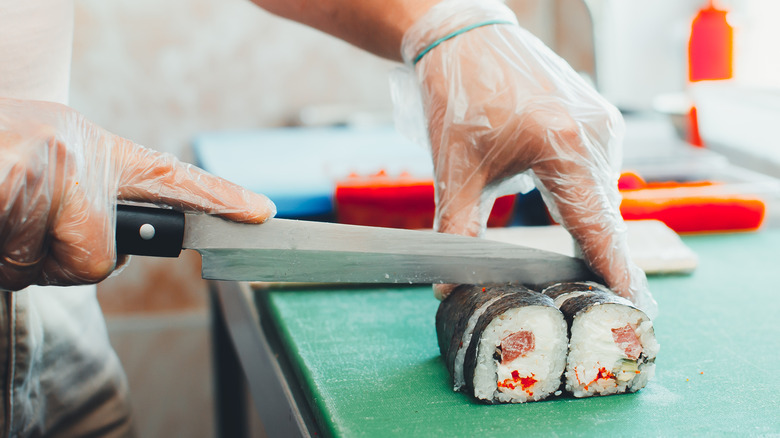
x: 502, y: 107
x: 60, y: 178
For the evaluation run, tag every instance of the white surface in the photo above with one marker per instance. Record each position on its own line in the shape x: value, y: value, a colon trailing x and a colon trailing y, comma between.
x: 654, y: 246
x: 641, y: 48
x: 741, y: 123
x: 652, y: 147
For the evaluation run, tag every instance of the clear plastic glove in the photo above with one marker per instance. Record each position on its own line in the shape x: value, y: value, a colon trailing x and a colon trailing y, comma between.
x: 505, y: 113
x: 60, y: 178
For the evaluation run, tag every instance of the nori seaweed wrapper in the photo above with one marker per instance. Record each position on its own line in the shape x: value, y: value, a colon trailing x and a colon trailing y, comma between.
x: 593, y: 294
x: 559, y: 289
x: 456, y: 310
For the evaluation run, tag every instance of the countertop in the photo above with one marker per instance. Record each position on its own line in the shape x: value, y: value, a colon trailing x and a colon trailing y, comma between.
x: 369, y: 365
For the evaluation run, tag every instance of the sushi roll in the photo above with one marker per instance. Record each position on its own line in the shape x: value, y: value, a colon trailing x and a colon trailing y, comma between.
x: 502, y: 344
x: 612, y: 346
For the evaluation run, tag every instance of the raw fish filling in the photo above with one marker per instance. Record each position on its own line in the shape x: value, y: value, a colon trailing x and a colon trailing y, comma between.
x: 628, y: 341
x: 516, y: 345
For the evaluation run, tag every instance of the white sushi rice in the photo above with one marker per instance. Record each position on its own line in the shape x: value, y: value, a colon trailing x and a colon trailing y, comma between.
x: 460, y: 381
x: 596, y: 365
x: 545, y: 363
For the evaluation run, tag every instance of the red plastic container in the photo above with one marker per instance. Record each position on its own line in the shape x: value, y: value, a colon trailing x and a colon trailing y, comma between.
x: 711, y: 47
x: 398, y: 202
x: 690, y: 207
x: 710, y: 55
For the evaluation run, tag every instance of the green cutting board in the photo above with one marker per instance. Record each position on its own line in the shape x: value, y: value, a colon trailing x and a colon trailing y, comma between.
x: 369, y: 363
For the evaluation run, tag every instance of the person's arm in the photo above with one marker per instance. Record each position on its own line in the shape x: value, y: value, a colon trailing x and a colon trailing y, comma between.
x: 60, y: 179
x: 373, y: 25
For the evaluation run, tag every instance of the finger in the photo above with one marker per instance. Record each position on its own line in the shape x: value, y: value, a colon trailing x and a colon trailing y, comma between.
x: 588, y: 209
x: 442, y: 291
x: 16, y: 275
x: 459, y: 211
x: 82, y: 247
x: 460, y: 181
x: 150, y: 176
x: 26, y: 205
x: 459, y: 200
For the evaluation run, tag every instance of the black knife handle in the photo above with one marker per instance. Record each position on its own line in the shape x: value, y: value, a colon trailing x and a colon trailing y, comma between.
x: 149, y: 231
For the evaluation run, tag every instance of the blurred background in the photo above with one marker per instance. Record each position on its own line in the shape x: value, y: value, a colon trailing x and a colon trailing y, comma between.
x: 164, y: 73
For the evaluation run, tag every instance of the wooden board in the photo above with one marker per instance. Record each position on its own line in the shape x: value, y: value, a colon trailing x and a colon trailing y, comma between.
x: 654, y: 247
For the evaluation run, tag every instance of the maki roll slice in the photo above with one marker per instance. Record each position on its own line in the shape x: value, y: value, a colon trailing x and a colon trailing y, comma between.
x: 502, y: 343
x: 612, y: 345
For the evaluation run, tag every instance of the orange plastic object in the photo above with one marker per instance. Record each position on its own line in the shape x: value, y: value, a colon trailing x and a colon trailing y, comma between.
x: 691, y: 207
x: 630, y: 181
x: 694, y: 137
x: 398, y: 202
x: 711, y: 47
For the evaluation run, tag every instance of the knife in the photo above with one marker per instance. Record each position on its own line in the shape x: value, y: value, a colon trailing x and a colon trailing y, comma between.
x: 284, y: 250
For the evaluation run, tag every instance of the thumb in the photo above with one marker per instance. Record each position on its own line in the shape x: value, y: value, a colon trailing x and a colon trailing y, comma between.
x: 588, y: 209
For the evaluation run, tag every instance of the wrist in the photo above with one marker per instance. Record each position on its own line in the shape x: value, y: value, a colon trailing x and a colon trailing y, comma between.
x: 449, y: 19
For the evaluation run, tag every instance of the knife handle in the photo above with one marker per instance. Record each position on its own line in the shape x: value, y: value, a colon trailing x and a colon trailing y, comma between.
x: 149, y: 231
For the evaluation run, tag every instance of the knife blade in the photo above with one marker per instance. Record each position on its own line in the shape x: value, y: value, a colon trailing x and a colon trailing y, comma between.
x: 284, y: 250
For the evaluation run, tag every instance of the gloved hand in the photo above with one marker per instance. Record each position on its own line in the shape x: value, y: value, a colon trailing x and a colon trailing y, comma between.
x: 504, y: 112
x: 60, y: 178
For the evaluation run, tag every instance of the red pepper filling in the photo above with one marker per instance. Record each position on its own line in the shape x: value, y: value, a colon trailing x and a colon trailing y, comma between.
x: 602, y: 374
x: 525, y: 382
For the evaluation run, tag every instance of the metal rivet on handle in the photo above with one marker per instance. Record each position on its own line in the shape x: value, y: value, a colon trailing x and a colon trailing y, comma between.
x: 146, y: 231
